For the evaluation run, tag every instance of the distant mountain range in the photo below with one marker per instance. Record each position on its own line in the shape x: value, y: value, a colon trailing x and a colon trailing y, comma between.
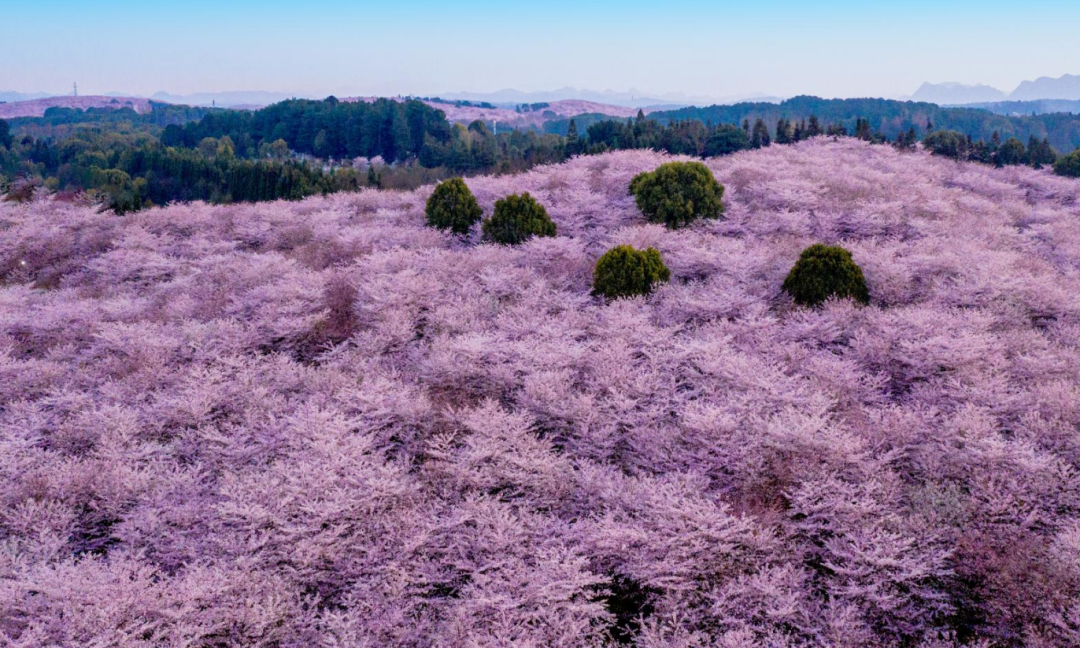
x: 1066, y: 87
x: 232, y: 99
x: 7, y: 96
x: 629, y: 99
x: 508, y: 98
x: 957, y: 93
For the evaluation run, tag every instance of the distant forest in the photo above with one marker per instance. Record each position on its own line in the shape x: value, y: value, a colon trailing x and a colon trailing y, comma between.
x: 891, y: 118
x: 297, y: 148
x: 1037, y: 107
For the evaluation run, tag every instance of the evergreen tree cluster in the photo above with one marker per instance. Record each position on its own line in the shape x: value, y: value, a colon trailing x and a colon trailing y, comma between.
x: 952, y: 144
x: 890, y: 118
x: 516, y: 218
x: 624, y: 271
x: 825, y: 271
x: 453, y: 207
x: 393, y: 130
x: 1068, y: 165
x: 6, y: 138
x: 678, y: 193
x: 132, y: 172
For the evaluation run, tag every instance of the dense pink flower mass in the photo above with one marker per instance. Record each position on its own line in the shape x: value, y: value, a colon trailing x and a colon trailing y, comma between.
x: 324, y: 424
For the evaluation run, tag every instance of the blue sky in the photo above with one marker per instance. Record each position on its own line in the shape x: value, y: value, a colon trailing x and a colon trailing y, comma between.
x: 828, y: 48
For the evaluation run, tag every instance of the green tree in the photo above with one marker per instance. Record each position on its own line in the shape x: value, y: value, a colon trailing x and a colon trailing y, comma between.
x: 1040, y: 153
x: 1068, y: 165
x: 624, y: 271
x: 726, y: 139
x: 573, y: 142
x: 836, y: 130
x: 862, y: 129
x: 677, y: 193
x: 453, y: 207
x: 760, y: 136
x: 5, y: 135
x: 800, y: 131
x: 947, y: 143
x: 276, y: 150
x: 516, y: 219
x: 783, y: 132
x: 910, y: 139
x: 208, y: 146
x: 401, y: 135
x: 825, y: 271
x: 1011, y: 152
x: 226, y: 149
x: 322, y: 145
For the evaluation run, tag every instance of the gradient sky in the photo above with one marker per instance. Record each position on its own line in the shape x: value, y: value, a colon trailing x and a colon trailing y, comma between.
x: 830, y: 48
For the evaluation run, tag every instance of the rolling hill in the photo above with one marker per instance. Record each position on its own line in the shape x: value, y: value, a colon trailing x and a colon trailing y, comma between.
x: 323, y: 423
x: 37, y: 107
x: 554, y: 110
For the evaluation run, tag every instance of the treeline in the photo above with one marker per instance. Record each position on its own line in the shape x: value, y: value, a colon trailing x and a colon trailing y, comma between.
x: 1011, y: 152
x: 59, y: 122
x: 459, y: 103
x: 287, y: 150
x: 129, y: 173
x: 532, y: 107
x: 300, y: 147
x: 393, y: 131
x: 693, y: 137
x: 891, y: 118
x: 160, y: 114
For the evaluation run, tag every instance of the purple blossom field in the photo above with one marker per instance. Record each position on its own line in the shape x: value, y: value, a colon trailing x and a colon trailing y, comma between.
x: 323, y: 424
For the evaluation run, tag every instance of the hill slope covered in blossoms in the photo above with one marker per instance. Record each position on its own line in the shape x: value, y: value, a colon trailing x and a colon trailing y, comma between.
x: 37, y: 107
x: 507, y: 117
x: 323, y: 424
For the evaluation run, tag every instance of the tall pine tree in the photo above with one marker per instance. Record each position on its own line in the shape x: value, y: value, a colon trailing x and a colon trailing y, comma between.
x: 573, y: 142
x: 760, y: 136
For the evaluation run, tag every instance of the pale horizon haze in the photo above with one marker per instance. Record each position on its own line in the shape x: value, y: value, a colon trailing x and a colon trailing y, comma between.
x: 777, y: 47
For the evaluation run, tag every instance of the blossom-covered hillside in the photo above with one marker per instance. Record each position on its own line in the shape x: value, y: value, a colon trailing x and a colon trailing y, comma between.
x: 323, y: 424
x: 554, y: 110
x: 37, y: 107
x: 505, y: 116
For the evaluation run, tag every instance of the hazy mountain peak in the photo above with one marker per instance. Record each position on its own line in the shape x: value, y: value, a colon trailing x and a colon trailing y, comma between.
x: 952, y: 92
x: 11, y: 95
x: 1064, y: 87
